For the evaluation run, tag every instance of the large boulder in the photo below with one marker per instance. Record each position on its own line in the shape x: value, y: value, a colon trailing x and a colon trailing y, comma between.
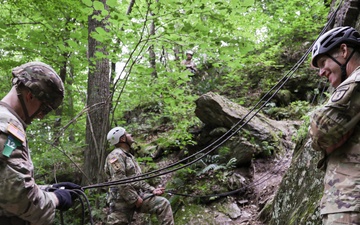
x: 258, y: 135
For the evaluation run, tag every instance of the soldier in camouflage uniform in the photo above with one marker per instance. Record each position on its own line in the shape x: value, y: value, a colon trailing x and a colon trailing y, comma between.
x: 36, y: 90
x: 335, y: 128
x: 188, y: 63
x: 138, y: 196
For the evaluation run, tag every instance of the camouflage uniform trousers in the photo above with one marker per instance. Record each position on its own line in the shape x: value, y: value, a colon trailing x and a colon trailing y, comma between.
x: 350, y: 218
x: 121, y: 214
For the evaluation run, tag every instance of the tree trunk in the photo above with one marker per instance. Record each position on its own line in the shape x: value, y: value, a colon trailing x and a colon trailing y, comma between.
x: 152, y: 54
x: 97, y: 123
x: 59, y: 110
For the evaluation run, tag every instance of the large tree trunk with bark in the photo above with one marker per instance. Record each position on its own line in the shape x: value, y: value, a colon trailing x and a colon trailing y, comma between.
x: 97, y: 123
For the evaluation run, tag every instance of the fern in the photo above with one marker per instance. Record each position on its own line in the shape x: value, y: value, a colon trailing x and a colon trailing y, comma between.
x: 220, y: 167
x: 207, y: 169
x: 212, y: 158
x: 231, y: 164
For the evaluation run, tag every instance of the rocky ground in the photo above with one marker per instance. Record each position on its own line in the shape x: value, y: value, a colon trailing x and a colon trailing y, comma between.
x: 267, y: 175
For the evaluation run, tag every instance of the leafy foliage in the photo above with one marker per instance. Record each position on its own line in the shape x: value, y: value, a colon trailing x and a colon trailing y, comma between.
x: 296, y: 110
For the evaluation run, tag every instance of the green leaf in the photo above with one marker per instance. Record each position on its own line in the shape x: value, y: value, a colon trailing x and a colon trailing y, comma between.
x: 73, y: 44
x: 111, y: 3
x: 87, y: 2
x: 87, y: 11
x: 98, y: 5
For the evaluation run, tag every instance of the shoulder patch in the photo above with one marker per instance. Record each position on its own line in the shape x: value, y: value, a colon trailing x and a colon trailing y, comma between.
x: 16, y: 132
x: 339, y: 93
x: 11, y: 144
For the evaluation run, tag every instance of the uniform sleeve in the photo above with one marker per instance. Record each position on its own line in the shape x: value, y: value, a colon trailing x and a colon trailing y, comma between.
x: 18, y: 192
x: 117, y: 170
x: 193, y: 64
x: 143, y: 186
x: 330, y: 123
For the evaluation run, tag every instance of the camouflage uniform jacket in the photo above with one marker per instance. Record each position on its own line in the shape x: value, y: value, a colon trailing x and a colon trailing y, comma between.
x: 120, y: 164
x: 190, y: 65
x: 329, y: 124
x: 20, y: 197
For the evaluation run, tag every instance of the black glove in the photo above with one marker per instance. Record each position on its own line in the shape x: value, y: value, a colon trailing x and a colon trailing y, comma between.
x: 67, y: 185
x: 65, y: 199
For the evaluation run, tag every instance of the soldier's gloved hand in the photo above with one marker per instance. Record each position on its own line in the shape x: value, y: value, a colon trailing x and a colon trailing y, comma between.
x: 67, y: 185
x: 65, y: 199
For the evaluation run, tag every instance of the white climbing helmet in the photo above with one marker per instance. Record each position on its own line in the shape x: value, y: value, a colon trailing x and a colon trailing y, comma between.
x: 189, y: 52
x: 114, y: 135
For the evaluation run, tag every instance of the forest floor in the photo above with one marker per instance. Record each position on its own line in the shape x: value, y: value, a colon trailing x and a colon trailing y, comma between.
x: 267, y: 175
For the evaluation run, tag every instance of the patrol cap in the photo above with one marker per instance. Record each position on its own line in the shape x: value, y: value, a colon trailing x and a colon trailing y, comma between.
x: 43, y: 82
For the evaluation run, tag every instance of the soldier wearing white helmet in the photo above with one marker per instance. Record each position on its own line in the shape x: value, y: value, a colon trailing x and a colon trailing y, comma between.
x: 188, y: 63
x: 189, y: 52
x: 126, y: 199
x: 334, y: 128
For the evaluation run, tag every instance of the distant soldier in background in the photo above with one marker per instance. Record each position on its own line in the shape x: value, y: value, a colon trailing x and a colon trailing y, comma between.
x: 138, y: 196
x: 335, y: 128
x: 36, y: 90
x: 188, y: 63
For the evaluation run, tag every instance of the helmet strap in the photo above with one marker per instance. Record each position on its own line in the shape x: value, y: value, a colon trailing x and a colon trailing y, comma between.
x: 28, y: 118
x: 343, y: 66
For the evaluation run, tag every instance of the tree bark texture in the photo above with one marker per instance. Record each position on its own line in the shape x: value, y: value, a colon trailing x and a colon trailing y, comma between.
x: 97, y: 124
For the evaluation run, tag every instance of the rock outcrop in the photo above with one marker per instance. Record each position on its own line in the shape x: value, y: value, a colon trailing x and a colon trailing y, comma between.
x: 252, y: 134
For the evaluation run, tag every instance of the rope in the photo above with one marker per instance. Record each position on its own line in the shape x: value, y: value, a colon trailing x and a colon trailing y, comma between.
x: 221, y: 140
x: 230, y: 133
x: 79, y: 195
